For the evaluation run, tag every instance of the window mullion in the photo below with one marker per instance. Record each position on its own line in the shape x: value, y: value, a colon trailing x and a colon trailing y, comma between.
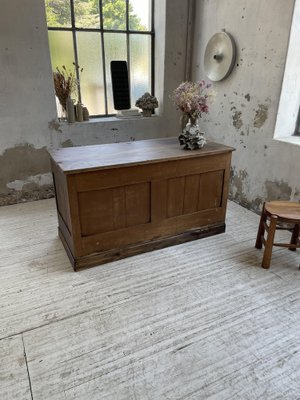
x: 103, y: 55
x: 152, y: 49
x: 128, y: 47
x: 75, y: 48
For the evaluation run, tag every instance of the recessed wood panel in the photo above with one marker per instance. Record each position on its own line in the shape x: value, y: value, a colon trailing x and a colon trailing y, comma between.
x: 175, y: 196
x: 137, y: 200
x: 96, y: 211
x: 194, y: 193
x: 211, y: 188
x: 191, y: 194
x: 115, y: 208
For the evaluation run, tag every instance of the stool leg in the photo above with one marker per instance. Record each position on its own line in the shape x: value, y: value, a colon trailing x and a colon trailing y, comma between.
x: 261, y: 228
x: 269, y: 243
x: 295, y: 236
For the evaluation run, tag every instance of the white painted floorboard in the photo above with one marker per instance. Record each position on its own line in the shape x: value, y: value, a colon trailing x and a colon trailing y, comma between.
x: 14, y: 381
x: 197, y: 321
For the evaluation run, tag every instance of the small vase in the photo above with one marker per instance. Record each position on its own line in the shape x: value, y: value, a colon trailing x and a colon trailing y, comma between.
x: 85, y: 114
x: 192, y: 138
x: 79, y: 113
x: 147, y: 112
x: 70, y: 110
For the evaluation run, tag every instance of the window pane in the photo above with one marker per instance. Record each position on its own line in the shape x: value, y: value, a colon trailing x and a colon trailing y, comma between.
x: 140, y: 15
x: 114, y: 14
x: 61, y: 50
x: 115, y: 50
x: 58, y: 13
x: 87, y: 13
x: 62, y: 53
x: 140, y: 66
x: 91, y: 79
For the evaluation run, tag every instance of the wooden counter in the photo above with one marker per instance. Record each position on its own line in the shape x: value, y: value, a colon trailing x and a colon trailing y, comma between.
x: 117, y: 200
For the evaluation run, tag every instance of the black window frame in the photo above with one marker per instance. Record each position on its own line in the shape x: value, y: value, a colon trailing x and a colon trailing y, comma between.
x: 102, y: 31
x: 297, y: 127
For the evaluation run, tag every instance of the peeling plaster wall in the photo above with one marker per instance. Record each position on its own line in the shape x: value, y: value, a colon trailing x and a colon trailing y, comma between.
x: 243, y: 113
x: 28, y: 116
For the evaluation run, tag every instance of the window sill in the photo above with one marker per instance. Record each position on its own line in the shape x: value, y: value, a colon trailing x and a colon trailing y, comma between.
x: 103, y: 120
x: 289, y: 139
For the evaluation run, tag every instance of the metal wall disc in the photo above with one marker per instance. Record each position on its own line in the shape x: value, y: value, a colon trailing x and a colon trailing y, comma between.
x: 219, y: 57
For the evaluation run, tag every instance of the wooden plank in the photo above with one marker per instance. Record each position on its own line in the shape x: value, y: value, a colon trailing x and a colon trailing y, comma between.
x: 65, y: 232
x: 137, y: 204
x: 143, y: 247
x: 211, y: 190
x: 74, y: 214
x: 61, y: 194
x: 119, y: 207
x: 96, y: 211
x: 191, y: 194
x: 175, y: 196
x: 158, y: 200
x: 13, y: 370
x: 144, y: 232
x: 114, y: 177
x: 88, y: 158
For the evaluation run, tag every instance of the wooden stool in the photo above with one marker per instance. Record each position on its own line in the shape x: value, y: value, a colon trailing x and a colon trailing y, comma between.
x: 284, y: 212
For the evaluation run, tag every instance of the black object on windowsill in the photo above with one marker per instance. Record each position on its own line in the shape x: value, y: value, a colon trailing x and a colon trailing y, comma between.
x: 120, y: 85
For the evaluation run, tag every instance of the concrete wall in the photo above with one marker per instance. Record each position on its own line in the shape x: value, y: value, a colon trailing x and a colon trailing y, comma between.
x: 244, y: 111
x: 28, y: 119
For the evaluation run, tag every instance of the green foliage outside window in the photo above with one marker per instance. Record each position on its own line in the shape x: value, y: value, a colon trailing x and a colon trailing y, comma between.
x: 94, y: 47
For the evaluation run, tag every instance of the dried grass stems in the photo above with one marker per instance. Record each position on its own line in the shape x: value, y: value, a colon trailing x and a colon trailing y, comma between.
x: 66, y: 82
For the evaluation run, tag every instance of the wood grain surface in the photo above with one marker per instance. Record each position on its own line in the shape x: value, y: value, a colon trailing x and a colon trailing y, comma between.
x: 97, y: 157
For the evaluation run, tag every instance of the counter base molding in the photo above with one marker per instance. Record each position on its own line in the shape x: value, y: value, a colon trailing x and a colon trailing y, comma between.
x: 118, y: 200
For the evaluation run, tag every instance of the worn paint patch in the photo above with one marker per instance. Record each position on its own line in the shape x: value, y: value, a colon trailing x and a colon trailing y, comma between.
x: 278, y: 190
x: 239, y: 189
x: 67, y: 143
x: 13, y: 196
x: 261, y: 115
x: 238, y: 179
x: 54, y: 125
x: 21, y: 162
x: 31, y: 183
x: 237, y: 119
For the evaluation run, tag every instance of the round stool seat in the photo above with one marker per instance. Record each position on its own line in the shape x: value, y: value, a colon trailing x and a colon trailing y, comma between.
x: 285, y: 210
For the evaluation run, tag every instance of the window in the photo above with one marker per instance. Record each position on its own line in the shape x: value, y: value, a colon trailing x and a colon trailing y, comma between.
x: 92, y: 33
x: 287, y: 126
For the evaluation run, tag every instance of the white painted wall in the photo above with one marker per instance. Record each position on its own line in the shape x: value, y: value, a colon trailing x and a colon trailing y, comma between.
x: 244, y: 111
x: 27, y: 101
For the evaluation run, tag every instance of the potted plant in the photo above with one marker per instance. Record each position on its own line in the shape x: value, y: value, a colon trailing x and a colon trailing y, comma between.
x: 147, y: 103
x: 192, y: 98
x: 65, y: 83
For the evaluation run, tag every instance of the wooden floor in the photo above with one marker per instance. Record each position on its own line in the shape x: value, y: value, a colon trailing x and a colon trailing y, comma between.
x: 197, y: 321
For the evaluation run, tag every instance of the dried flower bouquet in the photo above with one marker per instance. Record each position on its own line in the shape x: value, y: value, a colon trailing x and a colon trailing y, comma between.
x: 65, y: 83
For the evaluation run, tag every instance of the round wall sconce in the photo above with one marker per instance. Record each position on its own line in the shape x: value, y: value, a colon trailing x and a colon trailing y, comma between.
x: 219, y: 57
